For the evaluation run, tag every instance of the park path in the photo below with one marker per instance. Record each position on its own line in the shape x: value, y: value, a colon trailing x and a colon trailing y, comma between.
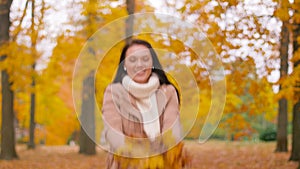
x: 211, y: 155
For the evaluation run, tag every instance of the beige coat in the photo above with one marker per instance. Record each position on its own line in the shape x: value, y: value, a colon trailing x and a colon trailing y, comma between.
x: 122, y: 117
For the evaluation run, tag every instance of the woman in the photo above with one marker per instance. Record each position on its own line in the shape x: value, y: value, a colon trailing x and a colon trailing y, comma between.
x: 141, y: 113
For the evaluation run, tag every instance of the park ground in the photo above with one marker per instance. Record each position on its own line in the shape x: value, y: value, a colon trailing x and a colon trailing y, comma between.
x: 210, y: 155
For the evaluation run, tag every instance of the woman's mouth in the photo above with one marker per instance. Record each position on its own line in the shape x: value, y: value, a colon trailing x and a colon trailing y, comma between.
x: 141, y: 72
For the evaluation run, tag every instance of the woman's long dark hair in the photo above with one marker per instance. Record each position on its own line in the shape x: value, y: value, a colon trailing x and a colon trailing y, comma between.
x: 157, y: 68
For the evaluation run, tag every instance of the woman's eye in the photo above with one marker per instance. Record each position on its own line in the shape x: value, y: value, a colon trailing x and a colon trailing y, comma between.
x: 146, y: 58
x: 132, y: 59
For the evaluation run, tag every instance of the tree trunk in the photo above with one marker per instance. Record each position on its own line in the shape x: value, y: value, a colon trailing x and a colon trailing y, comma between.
x: 31, y: 144
x: 87, y: 129
x: 8, y: 150
x: 130, y: 20
x: 282, y: 109
x: 296, y: 132
x: 295, y: 155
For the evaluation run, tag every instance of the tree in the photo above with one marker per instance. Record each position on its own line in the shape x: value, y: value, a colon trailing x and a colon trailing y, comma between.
x: 31, y: 144
x: 282, y: 142
x: 54, y: 99
x: 130, y: 6
x: 240, y: 36
x: 8, y: 150
x: 295, y: 155
x: 93, y: 16
x: 87, y: 117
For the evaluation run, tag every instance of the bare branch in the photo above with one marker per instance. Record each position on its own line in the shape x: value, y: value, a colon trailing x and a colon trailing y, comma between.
x: 14, y: 37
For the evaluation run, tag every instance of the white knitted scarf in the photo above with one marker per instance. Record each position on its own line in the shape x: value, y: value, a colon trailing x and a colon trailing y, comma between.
x: 146, y: 102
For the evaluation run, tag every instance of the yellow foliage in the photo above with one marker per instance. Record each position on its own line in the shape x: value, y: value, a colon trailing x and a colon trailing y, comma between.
x: 296, y: 56
x: 296, y: 18
x: 282, y: 13
x: 246, y: 93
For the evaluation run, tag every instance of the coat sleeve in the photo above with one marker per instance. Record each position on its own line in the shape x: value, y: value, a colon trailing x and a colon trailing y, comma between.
x: 112, y: 119
x: 171, y: 119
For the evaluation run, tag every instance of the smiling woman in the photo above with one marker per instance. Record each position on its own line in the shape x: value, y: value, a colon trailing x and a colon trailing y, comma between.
x: 138, y: 63
x: 141, y: 113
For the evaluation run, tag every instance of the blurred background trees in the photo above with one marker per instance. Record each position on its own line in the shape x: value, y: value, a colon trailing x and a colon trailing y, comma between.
x: 257, y: 42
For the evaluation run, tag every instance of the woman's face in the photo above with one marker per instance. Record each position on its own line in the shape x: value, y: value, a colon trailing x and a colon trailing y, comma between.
x: 138, y: 63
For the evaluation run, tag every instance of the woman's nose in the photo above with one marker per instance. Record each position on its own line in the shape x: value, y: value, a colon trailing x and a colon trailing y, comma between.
x: 139, y: 63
